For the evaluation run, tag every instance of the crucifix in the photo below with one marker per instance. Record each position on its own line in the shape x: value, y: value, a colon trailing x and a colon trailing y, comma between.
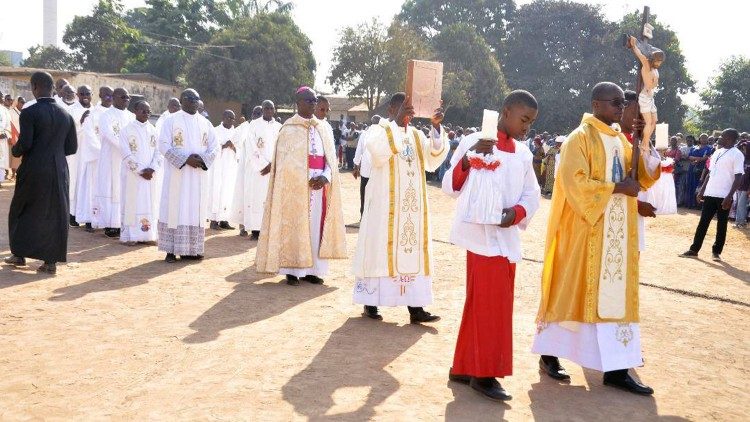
x: 650, y: 59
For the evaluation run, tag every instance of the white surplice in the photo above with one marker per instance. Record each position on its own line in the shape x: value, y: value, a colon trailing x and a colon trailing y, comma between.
x: 107, y: 198
x: 184, y: 199
x: 652, y: 160
x: 516, y: 177
x: 140, y: 197
x: 222, y: 176
x: 74, y: 160
x: 4, y: 146
x: 392, y: 264
x: 320, y: 266
x: 256, y: 143
x: 89, y: 150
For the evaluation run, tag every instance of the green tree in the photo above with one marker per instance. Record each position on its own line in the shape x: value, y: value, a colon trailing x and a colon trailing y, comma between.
x: 727, y: 98
x: 473, y: 79
x: 248, y: 8
x: 103, y: 42
x: 50, y: 57
x: 270, y: 59
x: 488, y: 18
x: 558, y: 51
x: 674, y: 79
x: 370, y: 61
x: 5, y: 59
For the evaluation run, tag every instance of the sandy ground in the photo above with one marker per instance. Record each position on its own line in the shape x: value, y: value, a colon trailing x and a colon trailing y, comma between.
x: 119, y: 334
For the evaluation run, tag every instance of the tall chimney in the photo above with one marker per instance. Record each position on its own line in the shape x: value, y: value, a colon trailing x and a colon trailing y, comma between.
x: 49, y: 16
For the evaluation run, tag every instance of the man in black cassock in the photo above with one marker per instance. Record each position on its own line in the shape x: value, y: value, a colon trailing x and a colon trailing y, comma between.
x: 39, y: 211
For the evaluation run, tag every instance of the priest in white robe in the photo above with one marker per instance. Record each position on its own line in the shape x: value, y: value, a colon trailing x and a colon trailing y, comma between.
x: 77, y: 110
x: 393, y: 262
x: 139, y: 178
x: 257, y: 144
x: 173, y: 106
x: 89, y: 150
x: 241, y: 134
x: 222, y: 174
x: 5, y: 134
x: 107, y: 199
x: 188, y: 144
x: 303, y: 223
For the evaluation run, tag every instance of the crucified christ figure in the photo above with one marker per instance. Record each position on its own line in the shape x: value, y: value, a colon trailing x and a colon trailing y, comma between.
x: 651, y: 59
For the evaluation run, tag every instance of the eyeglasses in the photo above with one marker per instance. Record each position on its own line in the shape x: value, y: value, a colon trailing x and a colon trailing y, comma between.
x: 616, y: 102
x: 311, y: 100
x: 192, y: 98
x: 107, y: 97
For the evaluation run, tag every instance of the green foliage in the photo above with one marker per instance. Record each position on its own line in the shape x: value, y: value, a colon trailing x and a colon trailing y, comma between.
x: 727, y: 97
x: 674, y: 79
x: 103, y: 42
x: 5, y: 59
x: 489, y: 17
x: 269, y: 59
x: 50, y: 57
x: 473, y: 79
x: 370, y: 61
x: 559, y: 50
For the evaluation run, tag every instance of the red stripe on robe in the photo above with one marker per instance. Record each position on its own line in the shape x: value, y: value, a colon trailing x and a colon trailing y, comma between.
x: 318, y: 162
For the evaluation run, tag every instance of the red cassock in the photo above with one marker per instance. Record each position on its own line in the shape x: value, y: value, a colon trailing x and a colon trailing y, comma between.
x: 485, y: 340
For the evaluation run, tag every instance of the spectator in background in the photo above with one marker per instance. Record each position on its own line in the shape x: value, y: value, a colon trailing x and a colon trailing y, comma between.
x: 351, y: 145
x: 744, y: 189
x: 674, y: 153
x: 538, y: 150
x: 697, y: 158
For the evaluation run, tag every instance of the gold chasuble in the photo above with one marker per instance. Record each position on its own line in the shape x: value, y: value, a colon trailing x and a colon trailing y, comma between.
x: 285, y: 233
x: 591, y: 257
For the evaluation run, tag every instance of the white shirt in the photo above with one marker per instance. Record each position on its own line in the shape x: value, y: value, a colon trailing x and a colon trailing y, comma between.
x: 362, y: 156
x: 725, y: 164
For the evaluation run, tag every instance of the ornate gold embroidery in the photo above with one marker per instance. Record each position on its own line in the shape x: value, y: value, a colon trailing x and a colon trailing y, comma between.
x: 624, y: 333
x: 541, y: 326
x: 177, y: 139
x: 133, y: 144
x: 116, y: 129
x: 408, y: 235
x: 132, y: 166
x: 425, y: 221
x: 410, y: 199
x: 260, y: 143
x: 391, y: 200
x: 614, y: 259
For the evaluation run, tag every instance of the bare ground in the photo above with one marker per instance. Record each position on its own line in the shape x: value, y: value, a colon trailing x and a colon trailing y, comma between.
x: 119, y: 334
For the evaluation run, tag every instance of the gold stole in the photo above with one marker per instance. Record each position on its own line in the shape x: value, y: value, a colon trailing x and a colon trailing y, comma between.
x: 613, y: 274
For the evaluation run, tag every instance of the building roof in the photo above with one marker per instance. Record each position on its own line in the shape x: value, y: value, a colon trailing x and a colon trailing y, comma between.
x: 27, y: 71
x: 343, y: 102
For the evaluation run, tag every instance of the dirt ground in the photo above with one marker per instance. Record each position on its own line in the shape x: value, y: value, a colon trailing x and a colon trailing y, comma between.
x: 119, y: 334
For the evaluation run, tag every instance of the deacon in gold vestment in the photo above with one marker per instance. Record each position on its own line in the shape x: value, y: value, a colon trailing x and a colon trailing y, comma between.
x: 589, y: 307
x: 303, y: 223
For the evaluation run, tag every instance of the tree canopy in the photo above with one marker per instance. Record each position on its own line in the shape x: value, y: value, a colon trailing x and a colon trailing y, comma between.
x: 727, y: 97
x: 50, y: 57
x: 270, y: 57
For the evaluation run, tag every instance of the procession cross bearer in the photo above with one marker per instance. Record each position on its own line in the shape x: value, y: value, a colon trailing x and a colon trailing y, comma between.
x: 303, y: 223
x: 589, y: 307
x: 393, y: 262
x: 189, y: 146
x: 140, y: 178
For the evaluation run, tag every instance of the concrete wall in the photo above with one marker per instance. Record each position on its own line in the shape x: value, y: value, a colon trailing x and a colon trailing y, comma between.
x: 156, y: 94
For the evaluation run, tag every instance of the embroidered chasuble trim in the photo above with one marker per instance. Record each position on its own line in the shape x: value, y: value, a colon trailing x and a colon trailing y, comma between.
x: 613, y: 270
x: 391, y: 198
x: 437, y: 154
x: 425, y: 223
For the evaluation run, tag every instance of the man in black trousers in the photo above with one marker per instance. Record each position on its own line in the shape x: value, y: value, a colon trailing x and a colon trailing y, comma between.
x: 39, y: 210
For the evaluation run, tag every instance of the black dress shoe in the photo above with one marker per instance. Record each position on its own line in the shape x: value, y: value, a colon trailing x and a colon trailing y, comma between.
x: 110, y: 233
x: 372, y: 312
x: 192, y: 257
x: 16, y: 261
x: 47, y: 269
x: 463, y: 379
x: 89, y: 228
x: 214, y: 225
x: 225, y: 225
x: 255, y: 235
x: 72, y: 221
x: 171, y: 258
x: 551, y: 366
x: 624, y: 381
x: 490, y: 388
x: 292, y: 280
x: 313, y: 279
x: 420, y: 316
